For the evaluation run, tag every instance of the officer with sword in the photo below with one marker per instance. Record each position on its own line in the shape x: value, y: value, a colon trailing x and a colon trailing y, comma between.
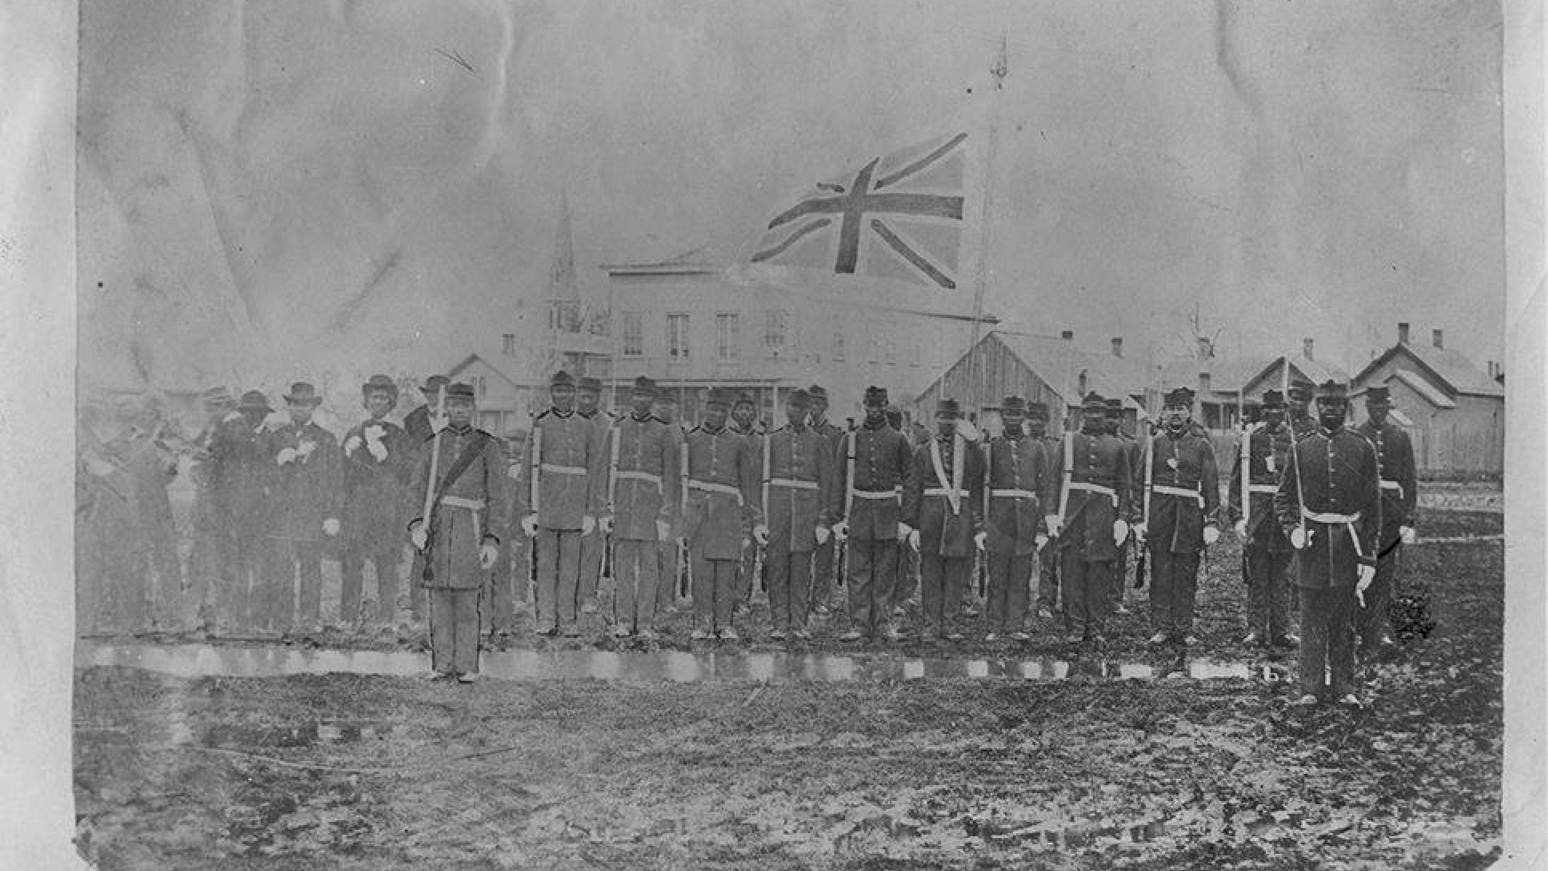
x: 877, y: 463
x: 719, y: 480
x: 1016, y: 468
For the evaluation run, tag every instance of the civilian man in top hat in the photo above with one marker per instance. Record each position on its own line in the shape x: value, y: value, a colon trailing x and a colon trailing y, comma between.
x: 874, y: 464
x: 1184, y: 502
x: 1329, y: 505
x: 1267, y: 549
x: 304, y: 503
x: 721, y: 509
x: 823, y: 563
x: 671, y: 567
x: 1135, y: 452
x: 797, y: 481
x: 588, y: 404
x: 1017, y: 468
x: 943, y: 508
x: 563, y: 497
x: 1037, y: 424
x: 1399, y: 499
x: 640, y: 500
x: 379, y: 458
x: 463, y: 473
x: 1088, y: 498
x: 744, y: 422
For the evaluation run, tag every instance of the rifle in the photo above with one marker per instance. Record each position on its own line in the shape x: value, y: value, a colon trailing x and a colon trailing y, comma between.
x: 427, y: 572
x: 1150, y: 474
x: 983, y: 558
x: 685, y: 575
x: 849, y: 501
x: 1245, y: 455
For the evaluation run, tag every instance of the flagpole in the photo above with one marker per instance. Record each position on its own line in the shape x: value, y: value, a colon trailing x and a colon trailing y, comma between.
x: 998, y: 72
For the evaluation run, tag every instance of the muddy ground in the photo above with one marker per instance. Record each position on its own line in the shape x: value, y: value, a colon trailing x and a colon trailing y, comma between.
x: 344, y: 771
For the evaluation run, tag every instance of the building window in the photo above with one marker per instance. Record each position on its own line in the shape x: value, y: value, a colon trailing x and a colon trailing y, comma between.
x: 633, y: 335
x: 728, y: 329
x: 510, y: 344
x: 563, y: 316
x: 677, y: 336
x: 838, y: 346
x: 775, y: 325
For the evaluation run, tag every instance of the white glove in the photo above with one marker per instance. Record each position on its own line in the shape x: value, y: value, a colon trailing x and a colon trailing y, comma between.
x: 529, y: 525
x: 1139, y: 530
x: 286, y: 455
x: 378, y: 450
x: 1299, y: 538
x: 605, y: 522
x: 99, y: 467
x: 913, y: 539
x: 488, y: 553
x: 1367, y: 574
x: 331, y: 527
x: 1211, y: 534
x: 761, y: 534
x: 903, y: 530
x: 1407, y: 534
x: 823, y: 533
x: 1241, y: 528
x: 1041, y: 541
x: 841, y: 530
x: 419, y: 536
x: 1052, y: 522
x: 513, y: 471
x: 663, y: 530
x: 981, y: 540
x: 351, y: 443
x: 1120, y: 531
x: 588, y: 523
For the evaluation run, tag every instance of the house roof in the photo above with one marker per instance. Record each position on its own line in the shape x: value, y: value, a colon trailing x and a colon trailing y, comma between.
x: 1229, y: 375
x: 1059, y: 362
x: 1432, y: 394
x: 1452, y: 369
x: 468, y: 361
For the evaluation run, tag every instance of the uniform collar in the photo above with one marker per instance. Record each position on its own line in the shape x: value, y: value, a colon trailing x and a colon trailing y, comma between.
x: 562, y: 415
x: 460, y: 430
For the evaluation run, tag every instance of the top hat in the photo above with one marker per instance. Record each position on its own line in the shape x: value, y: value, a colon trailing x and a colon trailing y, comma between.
x: 254, y: 400
x: 590, y: 383
x: 380, y: 382
x: 302, y: 393
x: 875, y: 395
x: 1013, y: 403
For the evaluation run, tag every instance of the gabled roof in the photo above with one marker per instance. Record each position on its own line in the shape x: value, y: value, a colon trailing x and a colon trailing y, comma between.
x: 469, y: 360
x: 1450, y: 370
x: 1432, y: 394
x: 1231, y: 374
x: 1060, y: 364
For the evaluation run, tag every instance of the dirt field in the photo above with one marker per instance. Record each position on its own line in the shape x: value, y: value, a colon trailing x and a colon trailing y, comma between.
x: 345, y: 771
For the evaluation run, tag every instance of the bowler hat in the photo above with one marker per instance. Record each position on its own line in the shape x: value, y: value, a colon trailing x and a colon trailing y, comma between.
x: 380, y: 382
x: 302, y: 393
x: 254, y: 400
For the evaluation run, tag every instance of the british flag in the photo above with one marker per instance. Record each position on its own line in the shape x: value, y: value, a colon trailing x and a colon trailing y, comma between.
x: 899, y: 216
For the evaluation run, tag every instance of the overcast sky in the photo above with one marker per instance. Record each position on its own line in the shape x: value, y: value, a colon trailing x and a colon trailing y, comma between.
x: 282, y: 186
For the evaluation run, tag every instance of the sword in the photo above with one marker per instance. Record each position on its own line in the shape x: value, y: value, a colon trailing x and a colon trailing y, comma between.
x: 1150, y: 474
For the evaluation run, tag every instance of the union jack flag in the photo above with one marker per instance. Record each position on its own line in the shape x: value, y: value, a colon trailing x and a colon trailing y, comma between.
x: 899, y: 216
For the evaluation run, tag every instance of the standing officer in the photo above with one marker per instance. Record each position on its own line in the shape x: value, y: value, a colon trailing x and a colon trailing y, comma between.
x: 744, y: 422
x: 378, y: 461
x: 304, y: 502
x: 1329, y: 505
x: 1184, y: 502
x: 720, y: 479
x: 823, y: 562
x: 1091, y: 492
x: 640, y: 494
x: 1399, y: 498
x: 875, y: 462
x: 1017, y: 468
x: 670, y: 566
x: 1048, y: 557
x: 562, y: 500
x: 1267, y: 549
x: 588, y: 401
x: 943, y: 507
x: 459, y: 540
x: 907, y: 585
x: 798, y: 476
x: 420, y: 424
x: 1135, y: 453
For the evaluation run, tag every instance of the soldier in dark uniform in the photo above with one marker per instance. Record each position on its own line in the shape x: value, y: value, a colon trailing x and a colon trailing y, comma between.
x: 303, y: 501
x: 1184, y: 502
x: 1399, y: 498
x: 1090, y: 493
x: 1048, y: 557
x: 378, y: 462
x: 943, y: 508
x: 721, y: 510
x: 421, y: 424
x: 459, y: 540
x: 588, y: 399
x: 1267, y: 549
x: 874, y: 463
x: 1017, y: 467
x: 1329, y: 505
x: 670, y: 567
x: 1135, y: 452
x: 562, y: 501
x: 797, y: 475
x: 823, y: 562
x: 907, y: 586
x: 510, y: 584
x: 744, y: 422
x: 641, y: 491
x: 1297, y: 409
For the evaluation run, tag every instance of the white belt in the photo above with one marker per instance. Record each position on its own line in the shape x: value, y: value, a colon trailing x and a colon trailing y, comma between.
x: 563, y: 470
x: 459, y: 502
x: 1262, y: 488
x: 1012, y: 493
x: 1096, y: 488
x: 711, y: 487
x: 636, y: 475
x: 942, y: 491
x: 1336, y: 520
x: 1393, y: 485
x: 793, y: 483
x: 875, y: 494
x: 1179, y: 491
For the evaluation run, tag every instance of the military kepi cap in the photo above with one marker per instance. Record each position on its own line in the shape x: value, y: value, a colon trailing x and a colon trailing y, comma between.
x: 875, y: 395
x: 1094, y: 402
x: 799, y: 398
x: 1115, y: 407
x: 1180, y: 396
x: 380, y: 382
x: 1378, y: 396
x: 1273, y: 399
x: 589, y: 383
x: 1013, y: 404
x: 817, y: 391
x: 1301, y: 391
x: 947, y: 405
x: 744, y: 399
x: 644, y: 384
x: 254, y: 400
x: 302, y: 393
x: 561, y: 379
x: 1333, y: 391
x: 1037, y: 410
x: 460, y: 390
x: 719, y: 396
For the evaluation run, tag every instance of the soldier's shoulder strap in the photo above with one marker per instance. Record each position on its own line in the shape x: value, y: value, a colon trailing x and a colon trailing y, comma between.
x: 542, y: 414
x: 470, y: 452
